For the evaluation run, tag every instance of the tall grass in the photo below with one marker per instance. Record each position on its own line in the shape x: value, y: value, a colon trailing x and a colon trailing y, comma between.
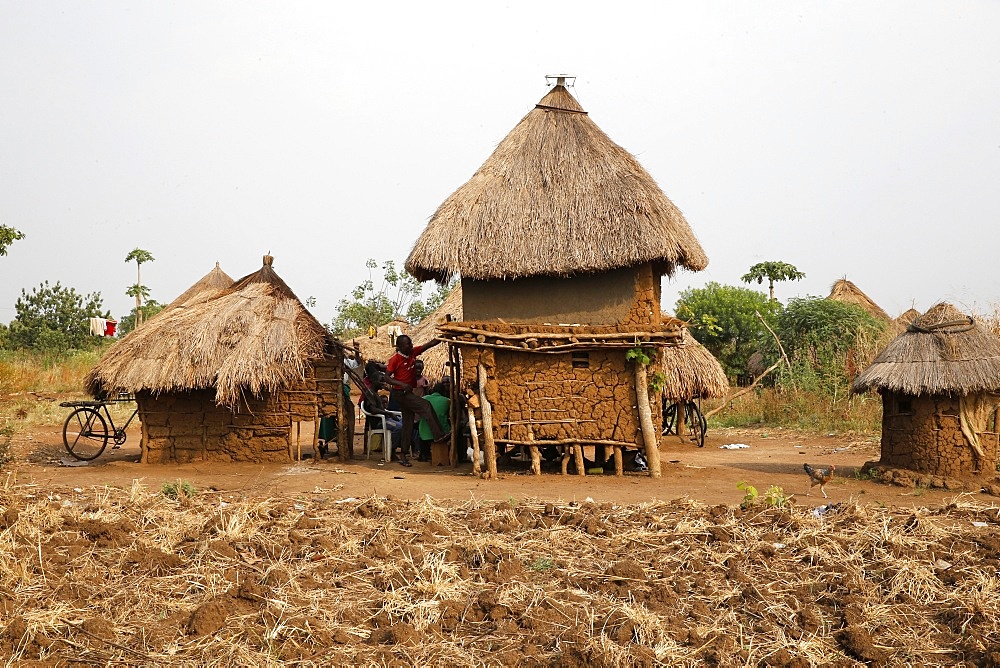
x: 26, y: 375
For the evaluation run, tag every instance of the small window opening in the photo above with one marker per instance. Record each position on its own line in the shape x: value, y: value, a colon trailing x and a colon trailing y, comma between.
x: 904, y: 406
x: 581, y: 360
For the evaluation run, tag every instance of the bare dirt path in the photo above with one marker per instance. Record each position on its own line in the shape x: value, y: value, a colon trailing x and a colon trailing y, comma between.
x: 709, y: 475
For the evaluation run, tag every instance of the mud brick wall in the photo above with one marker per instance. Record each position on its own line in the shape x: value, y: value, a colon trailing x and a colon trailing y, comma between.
x: 317, y: 394
x: 645, y: 309
x: 188, y: 426
x: 599, y: 399
x: 926, y: 436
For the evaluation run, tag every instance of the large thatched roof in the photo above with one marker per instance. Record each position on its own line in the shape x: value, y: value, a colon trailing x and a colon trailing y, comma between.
x: 557, y: 197
x: 943, y: 351
x: 845, y: 291
x: 254, y: 336
x: 691, y: 371
x: 207, y: 286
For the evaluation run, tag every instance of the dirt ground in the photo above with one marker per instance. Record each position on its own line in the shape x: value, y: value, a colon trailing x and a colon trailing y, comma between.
x: 709, y: 475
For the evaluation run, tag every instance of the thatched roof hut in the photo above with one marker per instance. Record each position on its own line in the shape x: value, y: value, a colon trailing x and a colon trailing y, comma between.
x: 691, y: 371
x: 381, y: 347
x: 254, y: 336
x: 844, y: 290
x: 556, y: 198
x: 943, y: 351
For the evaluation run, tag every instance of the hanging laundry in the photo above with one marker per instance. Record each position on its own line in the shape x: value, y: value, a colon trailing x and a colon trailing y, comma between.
x: 109, y: 327
x: 98, y: 326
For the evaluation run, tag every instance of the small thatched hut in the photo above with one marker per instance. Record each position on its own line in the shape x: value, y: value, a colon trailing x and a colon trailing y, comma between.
x: 560, y: 239
x: 382, y: 346
x: 939, y: 382
x: 690, y: 371
x: 226, y: 376
x: 844, y: 290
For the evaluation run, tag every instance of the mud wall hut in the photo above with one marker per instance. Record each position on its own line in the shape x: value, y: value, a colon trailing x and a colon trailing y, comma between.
x: 560, y: 239
x: 227, y: 375
x: 939, y: 381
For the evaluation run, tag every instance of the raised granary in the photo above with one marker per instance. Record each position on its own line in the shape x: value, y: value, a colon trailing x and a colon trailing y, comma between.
x: 560, y: 239
x: 226, y: 374
x: 939, y: 382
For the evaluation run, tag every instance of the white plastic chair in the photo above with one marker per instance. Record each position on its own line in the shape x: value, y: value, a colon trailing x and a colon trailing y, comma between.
x: 382, y: 431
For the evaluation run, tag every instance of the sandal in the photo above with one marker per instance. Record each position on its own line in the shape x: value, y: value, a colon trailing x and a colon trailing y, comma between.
x: 405, y: 462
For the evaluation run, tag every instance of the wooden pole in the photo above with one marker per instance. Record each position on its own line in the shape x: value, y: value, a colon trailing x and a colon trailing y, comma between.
x: 681, y: 425
x: 578, y: 458
x: 619, y: 465
x: 345, y: 449
x: 564, y: 463
x: 649, y: 434
x: 536, y: 460
x: 473, y: 430
x: 487, y: 411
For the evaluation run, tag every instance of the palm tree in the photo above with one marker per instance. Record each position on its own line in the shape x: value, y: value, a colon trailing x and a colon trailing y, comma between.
x: 772, y: 271
x: 139, y: 291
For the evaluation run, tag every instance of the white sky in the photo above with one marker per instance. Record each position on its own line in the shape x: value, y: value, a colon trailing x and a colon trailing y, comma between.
x: 857, y: 139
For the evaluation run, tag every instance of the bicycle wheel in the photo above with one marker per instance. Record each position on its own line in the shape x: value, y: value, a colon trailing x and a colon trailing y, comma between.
x: 697, y: 424
x: 669, y: 417
x: 85, y: 434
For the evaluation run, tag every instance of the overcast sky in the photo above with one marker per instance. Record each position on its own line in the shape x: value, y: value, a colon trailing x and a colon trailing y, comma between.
x: 857, y: 139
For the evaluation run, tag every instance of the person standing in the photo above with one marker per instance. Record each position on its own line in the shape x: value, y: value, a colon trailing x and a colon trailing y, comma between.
x: 403, y: 377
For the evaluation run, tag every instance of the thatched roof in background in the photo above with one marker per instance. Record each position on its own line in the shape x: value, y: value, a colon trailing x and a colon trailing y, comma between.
x: 207, y: 286
x: 845, y: 291
x: 907, y: 316
x: 380, y: 348
x: 557, y: 197
x: 254, y: 336
x: 943, y: 351
x: 691, y: 371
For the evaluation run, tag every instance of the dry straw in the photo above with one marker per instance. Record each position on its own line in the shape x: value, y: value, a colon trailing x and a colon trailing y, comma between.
x: 557, y: 197
x: 844, y: 290
x: 130, y: 576
x: 691, y: 371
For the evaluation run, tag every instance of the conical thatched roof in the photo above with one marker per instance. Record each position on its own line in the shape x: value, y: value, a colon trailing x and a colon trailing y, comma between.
x: 845, y: 291
x: 943, y: 351
x: 691, y: 371
x: 907, y: 316
x: 209, y: 285
x: 557, y: 197
x: 254, y: 336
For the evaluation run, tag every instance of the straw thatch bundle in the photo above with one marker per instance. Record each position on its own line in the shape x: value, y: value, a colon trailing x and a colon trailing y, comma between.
x: 691, y: 371
x: 942, y: 352
x: 557, y: 197
x: 844, y: 290
x: 254, y: 336
x: 380, y: 348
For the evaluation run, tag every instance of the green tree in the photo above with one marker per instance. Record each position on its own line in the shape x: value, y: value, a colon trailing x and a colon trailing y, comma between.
x: 150, y: 308
x: 772, y: 271
x: 371, y: 306
x: 52, y: 317
x: 421, y: 309
x: 827, y: 341
x: 8, y: 235
x: 723, y: 319
x: 138, y: 290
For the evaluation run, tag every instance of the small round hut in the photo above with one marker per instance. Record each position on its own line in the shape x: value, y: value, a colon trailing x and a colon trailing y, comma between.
x: 939, y: 382
x: 845, y: 291
x: 690, y: 371
x: 226, y: 374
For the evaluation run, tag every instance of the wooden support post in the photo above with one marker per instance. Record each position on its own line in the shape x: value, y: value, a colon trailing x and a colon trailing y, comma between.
x: 298, y: 441
x: 536, y: 460
x: 649, y: 433
x: 345, y: 445
x: 487, y: 411
x: 619, y: 465
x: 680, y: 424
x: 474, y: 431
x: 453, y: 407
x: 565, y: 459
x: 578, y: 457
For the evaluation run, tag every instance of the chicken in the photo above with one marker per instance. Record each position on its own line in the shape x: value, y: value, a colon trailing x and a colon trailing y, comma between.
x: 819, y: 477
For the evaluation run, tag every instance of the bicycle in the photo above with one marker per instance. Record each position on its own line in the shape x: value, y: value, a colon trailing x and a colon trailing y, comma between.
x: 85, y: 432
x: 694, y: 420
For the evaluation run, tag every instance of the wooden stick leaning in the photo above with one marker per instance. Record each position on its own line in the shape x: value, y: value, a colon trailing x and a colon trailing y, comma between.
x: 649, y: 435
x: 473, y: 430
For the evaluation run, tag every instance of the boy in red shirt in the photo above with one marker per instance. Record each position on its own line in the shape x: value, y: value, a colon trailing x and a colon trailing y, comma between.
x: 403, y: 378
